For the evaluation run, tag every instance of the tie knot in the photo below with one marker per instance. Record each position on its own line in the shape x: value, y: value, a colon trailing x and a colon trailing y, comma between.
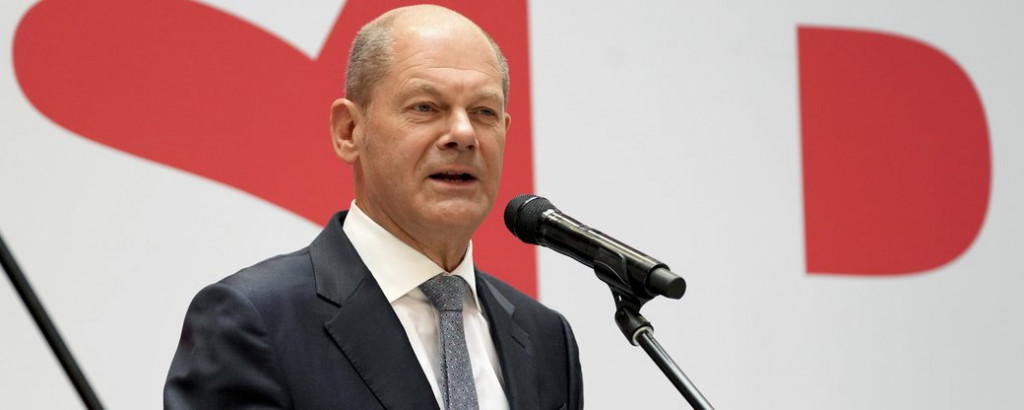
x: 445, y: 292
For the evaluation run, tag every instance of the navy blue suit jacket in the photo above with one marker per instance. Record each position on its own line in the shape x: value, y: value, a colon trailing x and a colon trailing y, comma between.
x: 313, y: 330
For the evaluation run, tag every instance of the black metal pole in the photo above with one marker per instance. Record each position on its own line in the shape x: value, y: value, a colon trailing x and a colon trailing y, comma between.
x: 668, y: 366
x: 35, y: 307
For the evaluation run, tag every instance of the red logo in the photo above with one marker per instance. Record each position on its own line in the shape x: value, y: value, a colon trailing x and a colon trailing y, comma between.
x: 194, y: 88
x: 896, y: 159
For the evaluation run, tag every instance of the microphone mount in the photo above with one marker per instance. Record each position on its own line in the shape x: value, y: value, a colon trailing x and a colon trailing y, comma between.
x: 640, y: 332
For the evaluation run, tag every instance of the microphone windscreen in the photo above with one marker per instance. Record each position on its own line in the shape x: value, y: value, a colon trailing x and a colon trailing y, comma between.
x: 522, y: 216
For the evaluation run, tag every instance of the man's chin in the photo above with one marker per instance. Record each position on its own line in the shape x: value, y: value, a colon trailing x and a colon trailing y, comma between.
x: 459, y: 212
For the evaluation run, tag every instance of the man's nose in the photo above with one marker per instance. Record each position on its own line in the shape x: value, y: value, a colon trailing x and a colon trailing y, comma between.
x: 461, y: 134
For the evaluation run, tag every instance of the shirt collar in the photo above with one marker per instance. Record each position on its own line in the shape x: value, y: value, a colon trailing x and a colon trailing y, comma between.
x: 397, y: 267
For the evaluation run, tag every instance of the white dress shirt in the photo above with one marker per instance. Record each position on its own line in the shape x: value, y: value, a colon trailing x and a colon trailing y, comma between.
x: 400, y: 270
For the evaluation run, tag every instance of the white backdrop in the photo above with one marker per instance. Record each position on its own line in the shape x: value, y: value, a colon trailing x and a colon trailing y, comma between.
x: 673, y: 126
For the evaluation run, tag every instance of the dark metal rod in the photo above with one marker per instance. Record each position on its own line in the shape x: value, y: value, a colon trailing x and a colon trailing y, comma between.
x: 35, y: 307
x: 650, y: 345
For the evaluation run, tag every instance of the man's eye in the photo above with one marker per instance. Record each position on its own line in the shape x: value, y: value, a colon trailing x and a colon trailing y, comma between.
x: 423, y: 107
x: 488, y: 112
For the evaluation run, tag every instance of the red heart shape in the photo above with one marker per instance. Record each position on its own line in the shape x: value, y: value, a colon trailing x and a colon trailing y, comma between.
x: 194, y: 88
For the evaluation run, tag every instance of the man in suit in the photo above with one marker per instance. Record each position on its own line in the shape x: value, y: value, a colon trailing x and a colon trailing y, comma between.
x: 347, y: 323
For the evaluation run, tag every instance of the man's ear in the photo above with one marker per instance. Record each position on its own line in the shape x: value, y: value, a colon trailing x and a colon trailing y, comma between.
x: 346, y: 117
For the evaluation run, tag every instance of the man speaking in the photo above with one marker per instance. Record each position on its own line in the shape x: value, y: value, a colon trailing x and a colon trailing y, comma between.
x: 385, y: 308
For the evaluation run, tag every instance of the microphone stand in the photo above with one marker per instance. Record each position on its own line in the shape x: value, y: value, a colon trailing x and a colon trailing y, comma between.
x: 35, y: 307
x: 629, y: 297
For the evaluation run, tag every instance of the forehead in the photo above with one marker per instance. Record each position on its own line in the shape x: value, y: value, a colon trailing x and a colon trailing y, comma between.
x: 448, y: 50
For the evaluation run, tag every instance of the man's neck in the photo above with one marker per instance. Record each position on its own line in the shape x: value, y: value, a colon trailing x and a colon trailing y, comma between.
x: 445, y: 249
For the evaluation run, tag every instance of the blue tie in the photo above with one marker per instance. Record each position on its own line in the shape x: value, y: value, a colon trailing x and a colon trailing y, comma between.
x: 457, y: 389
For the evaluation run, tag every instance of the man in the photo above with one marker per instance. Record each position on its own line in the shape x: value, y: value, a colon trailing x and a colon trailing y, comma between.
x: 350, y: 322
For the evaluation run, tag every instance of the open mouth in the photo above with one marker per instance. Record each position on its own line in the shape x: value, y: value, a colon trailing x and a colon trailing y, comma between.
x: 452, y: 177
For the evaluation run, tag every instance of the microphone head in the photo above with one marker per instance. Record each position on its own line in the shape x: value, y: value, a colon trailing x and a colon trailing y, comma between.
x: 522, y: 216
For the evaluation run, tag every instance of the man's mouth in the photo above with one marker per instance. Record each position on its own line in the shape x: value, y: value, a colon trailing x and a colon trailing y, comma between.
x: 453, y: 176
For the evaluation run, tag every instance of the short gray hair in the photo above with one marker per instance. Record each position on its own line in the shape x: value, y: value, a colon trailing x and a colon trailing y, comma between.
x: 372, y: 55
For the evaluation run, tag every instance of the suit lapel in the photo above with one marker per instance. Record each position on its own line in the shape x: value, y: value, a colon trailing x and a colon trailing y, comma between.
x: 513, y: 346
x: 365, y: 327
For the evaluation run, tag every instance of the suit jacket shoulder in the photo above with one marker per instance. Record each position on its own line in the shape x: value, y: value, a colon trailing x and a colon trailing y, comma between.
x: 227, y: 354
x: 300, y: 331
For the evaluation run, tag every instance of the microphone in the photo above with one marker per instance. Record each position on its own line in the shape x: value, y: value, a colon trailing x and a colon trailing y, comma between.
x: 536, y: 221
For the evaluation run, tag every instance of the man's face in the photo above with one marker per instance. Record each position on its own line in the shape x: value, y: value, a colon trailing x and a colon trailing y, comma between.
x: 431, y: 145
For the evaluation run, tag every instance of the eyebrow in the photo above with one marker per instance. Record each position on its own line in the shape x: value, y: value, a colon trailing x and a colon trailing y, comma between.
x: 423, y: 88
x: 491, y: 95
x: 434, y: 92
